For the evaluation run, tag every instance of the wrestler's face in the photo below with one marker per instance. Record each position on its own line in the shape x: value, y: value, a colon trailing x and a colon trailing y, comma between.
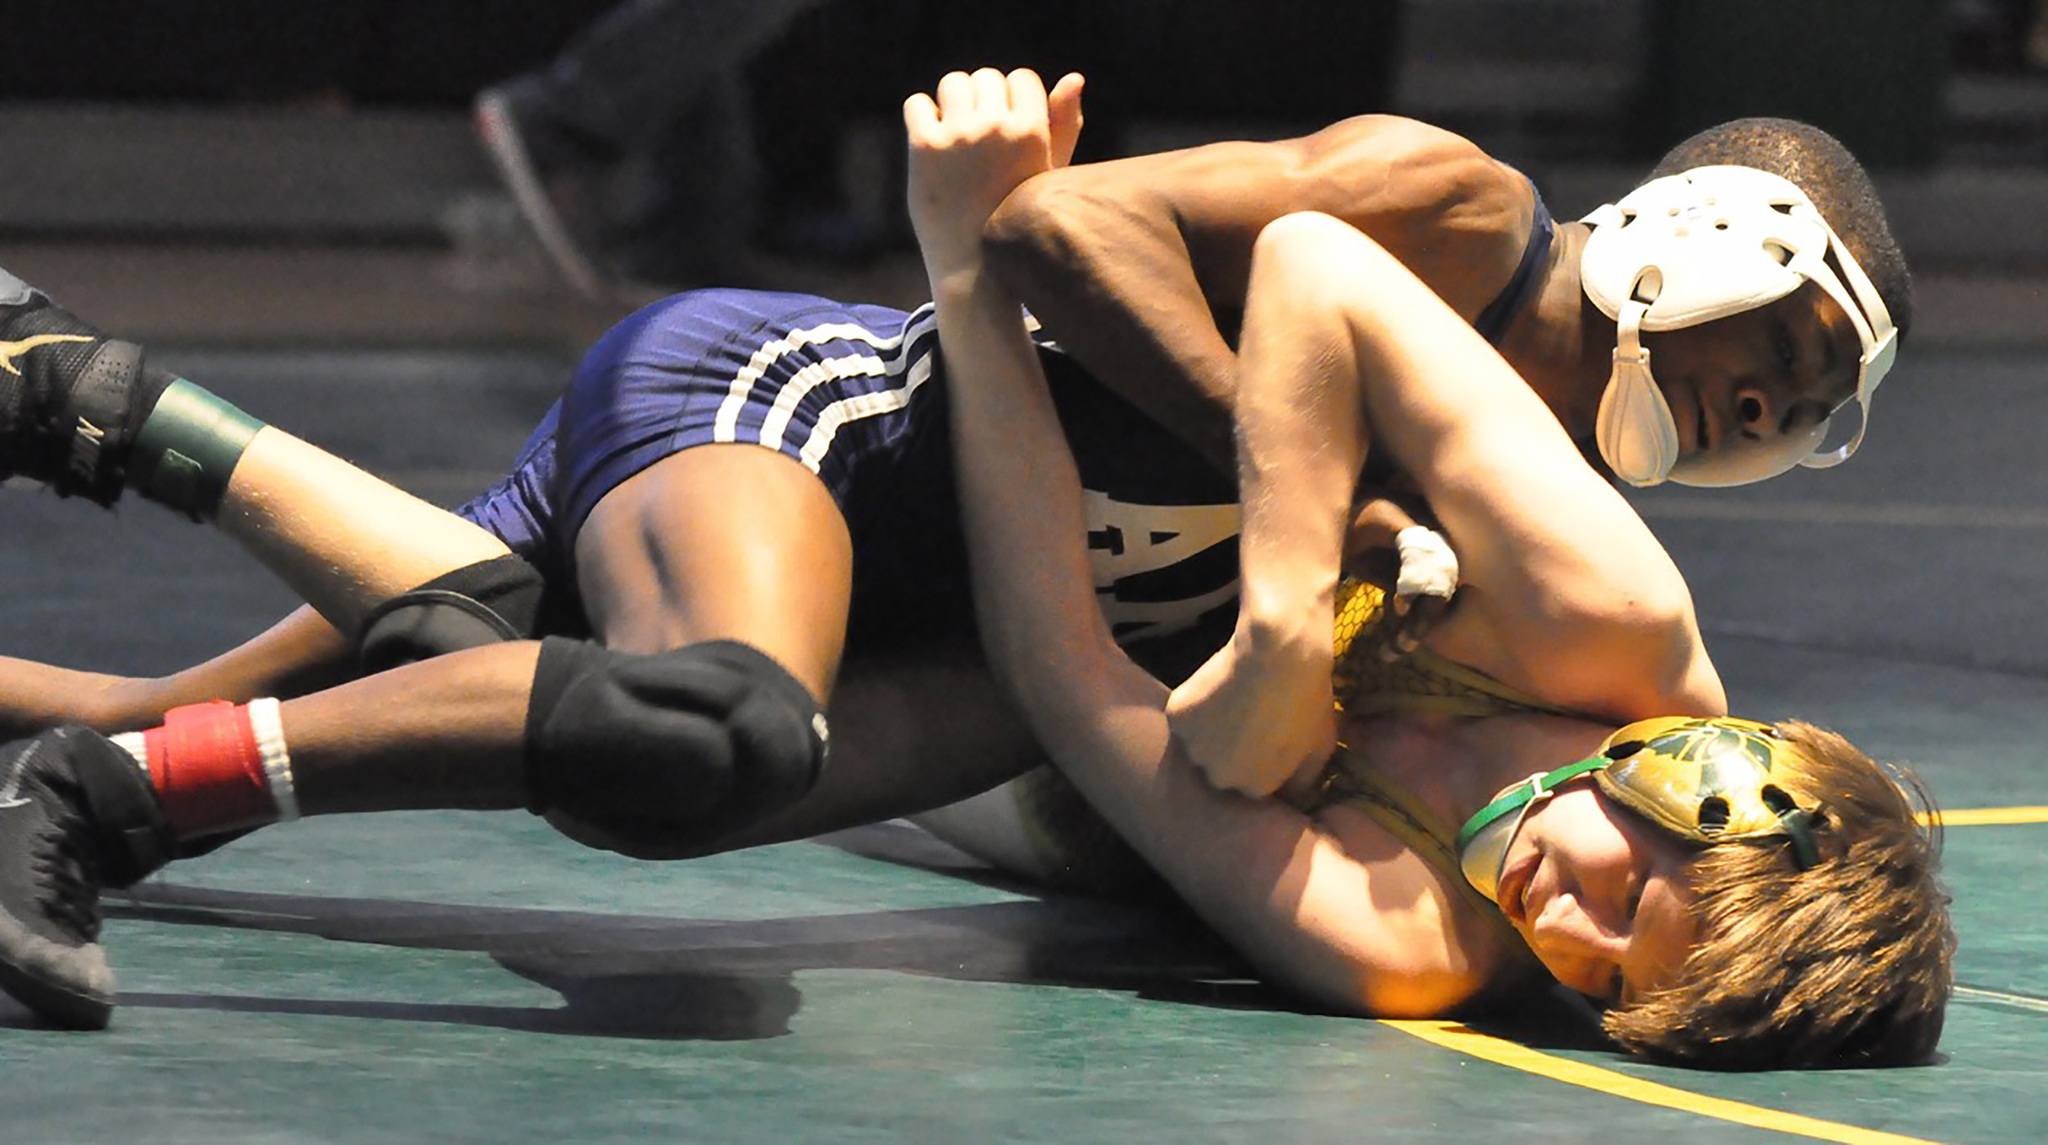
x: 1742, y: 382
x: 1599, y: 895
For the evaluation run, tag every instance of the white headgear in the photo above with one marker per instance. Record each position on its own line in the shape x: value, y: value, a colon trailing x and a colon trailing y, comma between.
x: 1701, y: 245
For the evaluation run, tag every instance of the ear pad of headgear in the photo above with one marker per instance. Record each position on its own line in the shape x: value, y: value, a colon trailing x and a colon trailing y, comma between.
x: 1635, y: 431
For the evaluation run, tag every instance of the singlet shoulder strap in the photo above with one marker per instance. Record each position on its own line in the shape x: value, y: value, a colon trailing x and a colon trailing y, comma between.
x: 1493, y: 321
x: 1370, y: 680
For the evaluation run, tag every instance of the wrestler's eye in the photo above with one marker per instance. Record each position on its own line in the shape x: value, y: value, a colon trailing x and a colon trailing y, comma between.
x: 1784, y: 346
x: 1617, y: 989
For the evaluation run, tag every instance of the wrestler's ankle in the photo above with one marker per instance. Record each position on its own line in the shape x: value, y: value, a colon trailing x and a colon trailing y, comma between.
x: 187, y: 449
x: 217, y: 768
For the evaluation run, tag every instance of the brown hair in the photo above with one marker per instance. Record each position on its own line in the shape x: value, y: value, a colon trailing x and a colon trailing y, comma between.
x: 1819, y: 165
x: 1847, y: 963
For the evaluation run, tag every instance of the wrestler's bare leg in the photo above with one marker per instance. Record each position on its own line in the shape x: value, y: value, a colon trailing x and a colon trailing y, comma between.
x: 342, y: 538
x: 300, y: 653
x: 721, y: 542
x: 715, y: 543
x: 442, y: 733
x: 740, y: 543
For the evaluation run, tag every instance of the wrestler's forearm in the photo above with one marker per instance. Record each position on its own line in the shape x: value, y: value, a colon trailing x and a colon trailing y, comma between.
x: 1302, y: 441
x: 1020, y: 497
x: 1110, y: 273
x: 1127, y: 261
x: 300, y: 653
x: 1586, y: 598
x: 34, y: 696
x: 1100, y: 717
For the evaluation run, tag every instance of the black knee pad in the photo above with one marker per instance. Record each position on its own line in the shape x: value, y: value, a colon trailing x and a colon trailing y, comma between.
x: 485, y: 603
x: 661, y: 751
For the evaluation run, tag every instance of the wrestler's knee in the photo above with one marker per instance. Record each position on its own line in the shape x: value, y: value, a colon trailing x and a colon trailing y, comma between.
x: 1313, y: 267
x: 657, y: 756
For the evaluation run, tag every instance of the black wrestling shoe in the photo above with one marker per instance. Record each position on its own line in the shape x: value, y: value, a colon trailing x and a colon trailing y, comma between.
x: 71, y: 398
x: 76, y: 816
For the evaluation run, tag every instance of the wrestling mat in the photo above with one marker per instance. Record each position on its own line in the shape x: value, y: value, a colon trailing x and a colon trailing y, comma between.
x: 469, y: 977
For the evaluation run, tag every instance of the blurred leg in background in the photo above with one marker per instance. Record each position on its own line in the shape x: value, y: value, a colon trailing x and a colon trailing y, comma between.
x: 632, y: 153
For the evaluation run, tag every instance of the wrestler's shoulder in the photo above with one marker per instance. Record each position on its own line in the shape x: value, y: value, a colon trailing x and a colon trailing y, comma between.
x: 1406, y: 162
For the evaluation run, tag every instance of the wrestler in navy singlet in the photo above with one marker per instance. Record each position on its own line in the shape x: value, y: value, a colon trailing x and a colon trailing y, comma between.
x: 846, y: 390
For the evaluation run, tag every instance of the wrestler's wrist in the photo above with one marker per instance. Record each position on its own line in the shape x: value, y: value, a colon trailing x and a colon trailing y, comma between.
x: 1295, y: 634
x: 968, y: 292
x: 955, y: 286
x: 1284, y: 597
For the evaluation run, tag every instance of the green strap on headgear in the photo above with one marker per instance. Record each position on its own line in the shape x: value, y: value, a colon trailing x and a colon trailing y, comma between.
x: 1483, y: 840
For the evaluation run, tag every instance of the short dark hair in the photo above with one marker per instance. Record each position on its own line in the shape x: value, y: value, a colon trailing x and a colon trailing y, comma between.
x: 1820, y: 166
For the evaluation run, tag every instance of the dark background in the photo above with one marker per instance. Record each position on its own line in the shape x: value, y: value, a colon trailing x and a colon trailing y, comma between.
x: 1875, y: 73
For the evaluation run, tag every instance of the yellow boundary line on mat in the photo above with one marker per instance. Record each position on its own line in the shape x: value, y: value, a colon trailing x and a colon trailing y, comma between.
x: 1991, y: 816
x: 1465, y: 1040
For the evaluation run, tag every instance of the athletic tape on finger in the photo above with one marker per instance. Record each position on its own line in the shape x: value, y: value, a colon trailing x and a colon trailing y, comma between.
x: 1428, y: 566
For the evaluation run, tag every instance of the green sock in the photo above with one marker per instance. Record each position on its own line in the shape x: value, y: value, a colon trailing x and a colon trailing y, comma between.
x: 187, y: 448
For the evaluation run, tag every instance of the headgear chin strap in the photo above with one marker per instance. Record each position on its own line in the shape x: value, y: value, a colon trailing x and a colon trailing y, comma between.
x: 1706, y: 781
x: 1701, y: 245
x: 1483, y: 843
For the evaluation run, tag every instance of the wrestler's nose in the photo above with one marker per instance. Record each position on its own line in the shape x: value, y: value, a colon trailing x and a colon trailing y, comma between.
x: 1756, y: 413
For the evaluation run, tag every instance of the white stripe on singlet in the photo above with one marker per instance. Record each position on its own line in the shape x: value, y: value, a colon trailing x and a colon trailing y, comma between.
x: 799, y: 386
x: 860, y: 406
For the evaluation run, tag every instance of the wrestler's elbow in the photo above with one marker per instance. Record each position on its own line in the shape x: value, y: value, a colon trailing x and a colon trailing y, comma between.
x: 1637, y: 661
x: 1032, y: 234
x: 1428, y: 994
x: 1384, y: 990
x: 1374, y: 965
x: 1300, y: 238
x: 1679, y: 676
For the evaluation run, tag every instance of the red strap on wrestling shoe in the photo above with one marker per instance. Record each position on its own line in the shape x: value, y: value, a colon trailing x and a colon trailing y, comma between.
x: 207, y: 769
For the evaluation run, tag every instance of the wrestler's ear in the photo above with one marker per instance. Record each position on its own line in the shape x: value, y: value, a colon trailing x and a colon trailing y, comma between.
x: 1063, y: 111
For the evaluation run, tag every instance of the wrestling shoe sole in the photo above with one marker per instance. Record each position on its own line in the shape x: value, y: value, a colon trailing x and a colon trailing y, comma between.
x: 29, y: 977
